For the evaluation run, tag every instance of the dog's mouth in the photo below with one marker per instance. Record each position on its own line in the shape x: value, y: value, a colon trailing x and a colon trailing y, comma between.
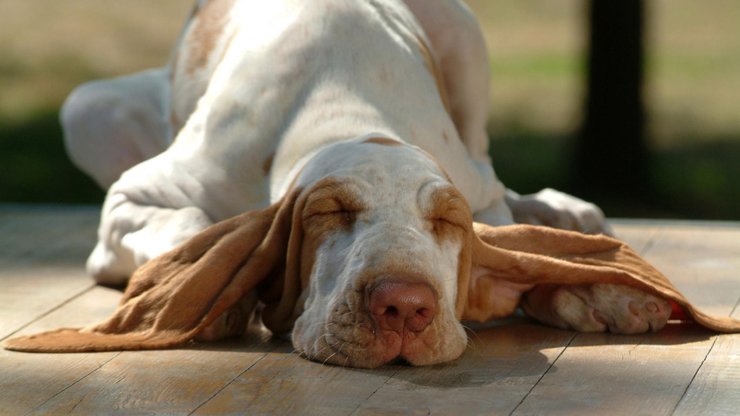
x: 359, y: 347
x: 355, y: 339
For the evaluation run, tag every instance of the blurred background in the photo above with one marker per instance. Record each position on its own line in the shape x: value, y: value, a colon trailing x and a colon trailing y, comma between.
x: 632, y: 104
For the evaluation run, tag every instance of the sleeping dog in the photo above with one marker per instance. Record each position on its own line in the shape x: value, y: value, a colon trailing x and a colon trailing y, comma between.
x: 352, y: 134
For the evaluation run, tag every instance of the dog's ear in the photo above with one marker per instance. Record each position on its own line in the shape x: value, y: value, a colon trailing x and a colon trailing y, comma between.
x: 170, y: 299
x: 525, y: 255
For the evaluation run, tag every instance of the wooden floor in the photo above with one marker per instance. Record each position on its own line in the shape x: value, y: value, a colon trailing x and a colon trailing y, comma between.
x: 516, y: 367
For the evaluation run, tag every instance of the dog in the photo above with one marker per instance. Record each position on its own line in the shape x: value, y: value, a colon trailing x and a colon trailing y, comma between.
x: 354, y: 134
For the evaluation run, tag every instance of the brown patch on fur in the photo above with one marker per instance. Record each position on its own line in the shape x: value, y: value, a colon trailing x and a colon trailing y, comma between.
x: 449, y: 214
x: 383, y: 141
x: 431, y: 64
x: 330, y: 206
x: 451, y: 219
x: 267, y: 164
x: 209, y: 23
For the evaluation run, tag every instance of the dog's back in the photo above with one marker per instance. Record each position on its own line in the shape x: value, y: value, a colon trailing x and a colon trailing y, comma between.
x: 266, y: 84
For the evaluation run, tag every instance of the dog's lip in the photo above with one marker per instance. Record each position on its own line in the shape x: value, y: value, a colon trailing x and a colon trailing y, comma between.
x: 406, y: 346
x: 386, y: 347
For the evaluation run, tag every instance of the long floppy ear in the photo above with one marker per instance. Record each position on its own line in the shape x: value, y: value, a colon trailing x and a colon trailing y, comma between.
x: 170, y: 299
x: 533, y: 255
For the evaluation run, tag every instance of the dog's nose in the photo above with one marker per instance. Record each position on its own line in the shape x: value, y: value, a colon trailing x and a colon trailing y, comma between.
x: 399, y: 305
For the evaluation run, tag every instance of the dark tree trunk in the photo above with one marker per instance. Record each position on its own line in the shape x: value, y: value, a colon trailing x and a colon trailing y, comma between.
x: 610, y: 154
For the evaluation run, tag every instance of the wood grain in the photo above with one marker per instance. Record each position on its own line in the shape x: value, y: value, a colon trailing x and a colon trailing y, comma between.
x: 703, y: 263
x: 715, y: 390
x: 28, y: 381
x: 514, y: 366
x: 497, y: 371
x: 612, y: 374
x: 639, y: 236
x: 284, y: 383
x: 648, y: 373
x: 42, y: 255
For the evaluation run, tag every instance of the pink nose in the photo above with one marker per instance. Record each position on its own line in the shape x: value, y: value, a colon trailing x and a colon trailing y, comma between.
x: 398, y: 305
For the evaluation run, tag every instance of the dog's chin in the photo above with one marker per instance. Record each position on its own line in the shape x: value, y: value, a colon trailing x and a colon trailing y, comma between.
x: 361, y: 345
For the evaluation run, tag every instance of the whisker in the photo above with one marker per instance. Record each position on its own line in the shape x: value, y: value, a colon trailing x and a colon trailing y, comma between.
x: 329, y: 357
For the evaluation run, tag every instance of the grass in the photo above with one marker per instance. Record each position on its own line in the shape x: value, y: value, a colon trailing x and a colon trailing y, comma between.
x: 693, y: 91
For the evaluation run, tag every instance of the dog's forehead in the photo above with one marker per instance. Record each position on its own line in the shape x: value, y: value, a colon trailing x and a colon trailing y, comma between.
x: 382, y: 165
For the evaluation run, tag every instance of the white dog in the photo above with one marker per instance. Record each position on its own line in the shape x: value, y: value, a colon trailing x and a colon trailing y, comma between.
x: 364, y: 119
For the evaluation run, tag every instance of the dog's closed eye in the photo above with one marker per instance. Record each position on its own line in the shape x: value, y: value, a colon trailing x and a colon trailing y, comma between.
x: 332, y: 203
x: 329, y: 210
x: 447, y: 213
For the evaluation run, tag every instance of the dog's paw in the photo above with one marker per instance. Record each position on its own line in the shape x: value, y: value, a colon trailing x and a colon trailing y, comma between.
x: 558, y: 210
x: 232, y: 323
x: 598, y: 308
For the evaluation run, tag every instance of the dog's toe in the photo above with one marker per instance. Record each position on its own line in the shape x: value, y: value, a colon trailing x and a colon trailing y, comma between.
x: 628, y: 310
x: 231, y: 323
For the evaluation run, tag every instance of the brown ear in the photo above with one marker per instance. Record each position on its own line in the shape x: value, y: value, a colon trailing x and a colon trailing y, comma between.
x: 170, y: 299
x: 533, y: 255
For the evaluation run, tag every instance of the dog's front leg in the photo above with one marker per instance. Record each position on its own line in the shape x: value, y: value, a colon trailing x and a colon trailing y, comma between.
x: 134, y: 228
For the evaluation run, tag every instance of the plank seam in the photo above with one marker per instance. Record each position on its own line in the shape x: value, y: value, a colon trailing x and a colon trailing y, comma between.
x: 373, y: 393
x: 688, y: 386
x: 49, y: 312
x: 73, y: 384
x: 230, y: 382
x: 686, y: 390
x: 650, y: 243
x: 734, y: 309
x: 572, y: 338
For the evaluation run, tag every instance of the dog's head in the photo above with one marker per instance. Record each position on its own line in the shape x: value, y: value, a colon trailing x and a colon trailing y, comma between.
x: 385, y: 238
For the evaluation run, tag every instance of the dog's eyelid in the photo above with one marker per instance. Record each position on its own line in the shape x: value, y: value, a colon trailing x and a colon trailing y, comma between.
x: 330, y: 206
x: 447, y: 220
x: 446, y: 205
x: 323, y: 213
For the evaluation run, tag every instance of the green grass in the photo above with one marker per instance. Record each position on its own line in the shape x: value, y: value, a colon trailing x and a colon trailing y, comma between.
x: 549, y: 65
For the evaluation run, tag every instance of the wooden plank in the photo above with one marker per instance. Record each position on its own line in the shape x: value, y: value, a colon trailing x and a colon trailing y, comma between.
x: 703, y: 263
x: 647, y: 373
x: 167, y: 382
x: 173, y: 381
x: 497, y: 371
x: 714, y: 390
x: 284, y: 383
x: 639, y: 236
x: 29, y: 380
x: 42, y: 256
x: 49, y: 237
x: 26, y: 295
x: 521, y: 366
x: 611, y: 374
